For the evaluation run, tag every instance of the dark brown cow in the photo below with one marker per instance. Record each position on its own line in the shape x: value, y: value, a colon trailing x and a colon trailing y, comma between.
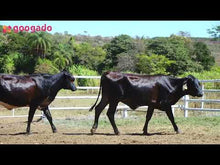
x: 157, y: 91
x: 34, y: 91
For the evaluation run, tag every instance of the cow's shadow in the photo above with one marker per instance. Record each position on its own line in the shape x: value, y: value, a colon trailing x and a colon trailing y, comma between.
x: 149, y: 134
x: 77, y: 133
x: 105, y: 134
x: 112, y: 134
x: 18, y: 133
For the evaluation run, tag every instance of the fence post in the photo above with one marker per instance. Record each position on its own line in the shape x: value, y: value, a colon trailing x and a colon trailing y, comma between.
x: 186, y: 105
x: 172, y: 108
x: 203, y: 96
x: 42, y: 115
x: 13, y: 112
x: 124, y: 113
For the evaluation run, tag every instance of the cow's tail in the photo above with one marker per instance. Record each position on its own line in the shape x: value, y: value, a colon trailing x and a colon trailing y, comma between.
x: 100, y: 88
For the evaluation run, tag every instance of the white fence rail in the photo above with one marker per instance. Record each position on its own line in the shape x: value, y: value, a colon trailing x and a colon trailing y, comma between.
x: 186, y: 99
x: 184, y: 107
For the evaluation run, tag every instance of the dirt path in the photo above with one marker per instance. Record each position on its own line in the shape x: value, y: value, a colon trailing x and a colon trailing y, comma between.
x: 12, y: 132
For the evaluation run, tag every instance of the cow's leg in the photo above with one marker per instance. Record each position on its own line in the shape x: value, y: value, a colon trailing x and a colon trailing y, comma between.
x: 49, y: 118
x: 170, y: 116
x: 98, y: 109
x: 111, y: 115
x: 32, y: 110
x: 148, y: 117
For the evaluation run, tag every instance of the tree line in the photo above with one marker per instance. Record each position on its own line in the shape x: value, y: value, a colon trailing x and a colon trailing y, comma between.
x: 42, y: 52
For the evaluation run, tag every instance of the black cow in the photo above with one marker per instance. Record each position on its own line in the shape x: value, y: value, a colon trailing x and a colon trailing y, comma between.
x: 36, y: 91
x: 154, y: 91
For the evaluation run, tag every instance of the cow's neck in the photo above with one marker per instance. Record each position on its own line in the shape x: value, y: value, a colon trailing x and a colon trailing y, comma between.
x: 56, y: 84
x: 179, y: 92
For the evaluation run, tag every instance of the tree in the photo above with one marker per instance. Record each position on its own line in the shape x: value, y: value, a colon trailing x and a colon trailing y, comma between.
x: 175, y: 48
x: 119, y: 44
x: 40, y: 43
x: 62, y: 55
x: 61, y: 61
x: 45, y: 66
x: 202, y: 55
x: 13, y: 42
x: 153, y: 64
x: 126, y: 61
x: 24, y: 63
x: 183, y: 34
x: 215, y: 32
x: 89, y: 56
x: 7, y: 64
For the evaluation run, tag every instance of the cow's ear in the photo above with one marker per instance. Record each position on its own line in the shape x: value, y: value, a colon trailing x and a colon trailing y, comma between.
x: 190, y: 77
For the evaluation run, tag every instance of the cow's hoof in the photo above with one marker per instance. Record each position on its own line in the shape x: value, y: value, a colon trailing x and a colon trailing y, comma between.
x: 92, y: 131
x: 28, y: 133
x: 178, y: 131
x: 54, y: 131
x: 146, y: 133
x: 117, y: 133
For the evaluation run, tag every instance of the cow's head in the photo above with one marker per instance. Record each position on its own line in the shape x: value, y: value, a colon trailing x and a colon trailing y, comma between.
x: 193, y: 86
x: 68, y: 81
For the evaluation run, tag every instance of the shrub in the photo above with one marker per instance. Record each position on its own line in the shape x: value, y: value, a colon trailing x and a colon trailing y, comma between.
x: 153, y: 64
x: 24, y: 63
x: 45, y: 66
x: 214, y: 73
x: 80, y: 70
x: 7, y: 64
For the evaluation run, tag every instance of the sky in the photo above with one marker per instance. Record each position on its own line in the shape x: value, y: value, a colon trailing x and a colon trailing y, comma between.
x: 132, y: 28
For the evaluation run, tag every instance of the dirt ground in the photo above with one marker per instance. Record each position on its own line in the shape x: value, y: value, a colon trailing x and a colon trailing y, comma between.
x: 12, y: 131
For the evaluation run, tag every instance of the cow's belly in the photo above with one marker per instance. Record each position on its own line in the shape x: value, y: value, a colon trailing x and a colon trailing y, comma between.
x: 131, y: 103
x: 8, y: 106
x: 44, y: 104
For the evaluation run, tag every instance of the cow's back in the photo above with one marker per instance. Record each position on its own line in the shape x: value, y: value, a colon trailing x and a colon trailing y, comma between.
x: 132, y: 89
x: 17, y: 90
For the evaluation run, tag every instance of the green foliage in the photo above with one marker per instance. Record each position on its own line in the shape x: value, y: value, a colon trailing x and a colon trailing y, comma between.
x: 86, y: 54
x: 40, y: 43
x: 118, y: 45
x: 61, y: 61
x: 45, y: 66
x: 7, y: 64
x: 202, y: 55
x: 62, y: 51
x: 24, y: 63
x: 174, y: 48
x: 126, y: 61
x: 215, y: 32
x: 42, y: 52
x: 187, y: 56
x: 153, y: 64
x: 80, y: 70
x: 214, y: 73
